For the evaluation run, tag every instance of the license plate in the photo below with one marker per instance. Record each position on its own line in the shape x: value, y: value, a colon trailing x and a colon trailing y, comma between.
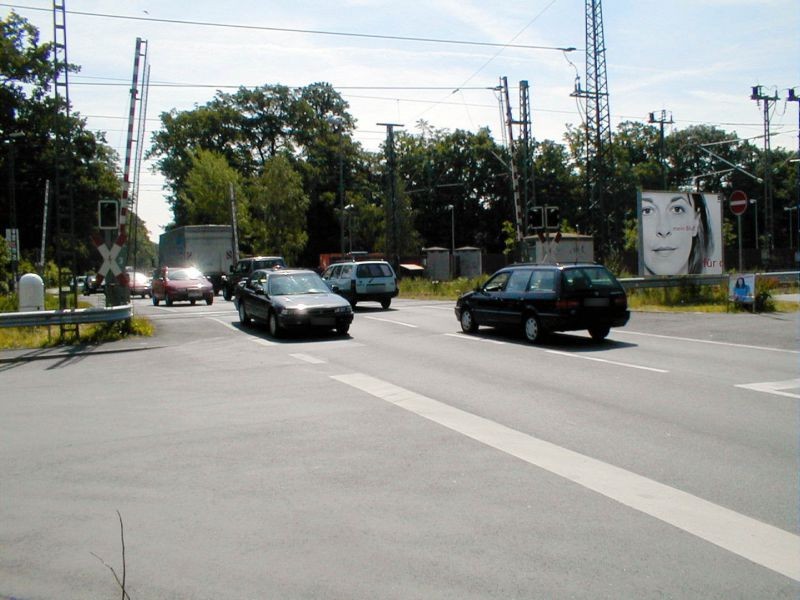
x: 195, y: 295
x: 323, y: 321
x: 594, y: 302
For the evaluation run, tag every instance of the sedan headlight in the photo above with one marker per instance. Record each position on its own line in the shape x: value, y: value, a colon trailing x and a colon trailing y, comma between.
x: 343, y: 310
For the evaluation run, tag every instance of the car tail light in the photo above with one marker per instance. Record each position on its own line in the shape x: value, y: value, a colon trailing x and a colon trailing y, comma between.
x: 621, y: 301
x: 567, y: 304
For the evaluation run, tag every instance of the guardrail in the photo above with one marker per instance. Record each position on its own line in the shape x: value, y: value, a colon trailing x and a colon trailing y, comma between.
x: 631, y: 283
x: 43, y: 318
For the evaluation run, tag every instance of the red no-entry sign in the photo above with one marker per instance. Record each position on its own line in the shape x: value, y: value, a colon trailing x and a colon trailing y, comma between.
x: 738, y: 202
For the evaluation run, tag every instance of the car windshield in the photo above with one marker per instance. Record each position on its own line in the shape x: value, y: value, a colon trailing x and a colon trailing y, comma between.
x: 184, y: 274
x: 297, y: 283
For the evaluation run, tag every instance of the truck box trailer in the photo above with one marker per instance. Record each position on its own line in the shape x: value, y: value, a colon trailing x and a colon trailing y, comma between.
x: 206, y: 247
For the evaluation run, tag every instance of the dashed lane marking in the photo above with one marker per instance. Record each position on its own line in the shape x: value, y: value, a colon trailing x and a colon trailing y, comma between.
x: 472, y: 338
x: 763, y: 544
x: 308, y: 358
x: 391, y: 321
x: 609, y: 362
x: 712, y: 342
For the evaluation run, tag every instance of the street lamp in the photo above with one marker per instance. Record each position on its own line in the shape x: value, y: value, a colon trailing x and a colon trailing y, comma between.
x: 349, y: 211
x: 452, y: 210
x: 12, y: 204
x: 338, y: 125
x: 789, y: 209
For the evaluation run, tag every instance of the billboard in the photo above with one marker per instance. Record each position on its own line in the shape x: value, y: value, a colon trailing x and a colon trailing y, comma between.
x: 680, y: 233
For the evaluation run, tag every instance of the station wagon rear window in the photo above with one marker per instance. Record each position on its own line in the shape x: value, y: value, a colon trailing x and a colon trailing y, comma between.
x: 374, y: 270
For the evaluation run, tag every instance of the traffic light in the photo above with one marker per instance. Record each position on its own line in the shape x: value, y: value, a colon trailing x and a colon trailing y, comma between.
x: 108, y: 214
x: 552, y: 217
x: 535, y: 219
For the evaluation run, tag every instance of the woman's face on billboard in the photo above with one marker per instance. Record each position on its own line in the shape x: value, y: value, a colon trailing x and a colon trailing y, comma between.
x: 669, y: 224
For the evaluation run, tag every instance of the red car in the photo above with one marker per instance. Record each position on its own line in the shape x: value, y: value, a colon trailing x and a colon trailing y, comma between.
x: 138, y: 284
x: 189, y: 284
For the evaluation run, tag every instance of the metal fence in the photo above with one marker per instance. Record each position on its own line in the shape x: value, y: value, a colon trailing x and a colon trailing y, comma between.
x: 632, y: 283
x: 43, y: 318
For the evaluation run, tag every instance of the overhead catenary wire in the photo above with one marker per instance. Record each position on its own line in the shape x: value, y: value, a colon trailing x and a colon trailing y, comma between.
x: 296, y: 30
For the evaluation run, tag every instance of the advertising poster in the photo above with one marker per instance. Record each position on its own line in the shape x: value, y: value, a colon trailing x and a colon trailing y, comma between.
x: 741, y: 288
x: 680, y: 233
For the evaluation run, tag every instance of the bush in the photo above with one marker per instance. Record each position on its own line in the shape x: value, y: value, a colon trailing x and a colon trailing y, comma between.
x: 765, y: 287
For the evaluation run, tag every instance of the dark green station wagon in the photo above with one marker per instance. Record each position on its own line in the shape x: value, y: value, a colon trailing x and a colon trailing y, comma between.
x: 542, y: 298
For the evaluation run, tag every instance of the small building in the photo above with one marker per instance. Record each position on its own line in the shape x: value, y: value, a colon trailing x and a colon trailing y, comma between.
x: 558, y: 248
x: 437, y: 263
x: 469, y: 262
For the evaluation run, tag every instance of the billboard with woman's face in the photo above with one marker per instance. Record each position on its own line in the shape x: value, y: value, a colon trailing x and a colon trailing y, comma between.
x: 680, y: 233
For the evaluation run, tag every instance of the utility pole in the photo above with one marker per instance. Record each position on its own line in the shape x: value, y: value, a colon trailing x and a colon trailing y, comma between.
x: 793, y: 97
x: 604, y: 218
x: 528, y: 171
x: 662, y: 121
x: 393, y: 246
x: 758, y: 95
x: 512, y: 161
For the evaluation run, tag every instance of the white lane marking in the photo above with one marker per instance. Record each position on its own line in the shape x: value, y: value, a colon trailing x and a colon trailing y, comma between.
x: 763, y: 544
x: 774, y: 387
x: 225, y: 323
x: 472, y: 338
x: 308, y: 358
x: 610, y: 362
x: 685, y: 339
x: 391, y: 321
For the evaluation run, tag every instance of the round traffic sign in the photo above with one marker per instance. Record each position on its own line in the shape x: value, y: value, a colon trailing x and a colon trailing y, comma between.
x: 738, y: 202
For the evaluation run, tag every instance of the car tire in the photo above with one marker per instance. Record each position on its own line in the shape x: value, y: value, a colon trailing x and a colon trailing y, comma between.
x: 155, y: 300
x: 226, y: 293
x: 192, y: 302
x: 244, y: 318
x: 275, y: 329
x: 468, y: 324
x: 532, y: 329
x: 343, y: 329
x: 385, y: 304
x: 599, y: 333
x: 210, y: 300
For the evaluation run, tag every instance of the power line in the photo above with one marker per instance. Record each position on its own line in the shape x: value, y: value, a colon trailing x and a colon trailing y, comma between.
x: 304, y: 31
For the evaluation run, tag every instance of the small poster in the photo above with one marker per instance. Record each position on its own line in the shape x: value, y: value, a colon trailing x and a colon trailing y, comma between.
x: 741, y: 288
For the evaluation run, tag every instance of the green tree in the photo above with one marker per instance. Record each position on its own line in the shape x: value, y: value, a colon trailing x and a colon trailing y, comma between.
x: 27, y: 108
x: 278, y: 206
x: 206, y: 195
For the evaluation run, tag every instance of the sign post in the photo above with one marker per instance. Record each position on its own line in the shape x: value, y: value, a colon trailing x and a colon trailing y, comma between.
x: 738, y: 204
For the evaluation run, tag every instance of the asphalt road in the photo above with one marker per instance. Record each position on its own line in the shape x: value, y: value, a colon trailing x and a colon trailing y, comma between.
x: 406, y: 460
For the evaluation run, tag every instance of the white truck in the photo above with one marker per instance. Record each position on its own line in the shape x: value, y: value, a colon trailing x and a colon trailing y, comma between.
x: 206, y: 247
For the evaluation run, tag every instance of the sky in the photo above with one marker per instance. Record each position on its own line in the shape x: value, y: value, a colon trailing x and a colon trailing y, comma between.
x: 698, y: 60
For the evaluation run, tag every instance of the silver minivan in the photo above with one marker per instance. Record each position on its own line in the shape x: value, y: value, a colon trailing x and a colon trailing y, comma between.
x: 369, y: 280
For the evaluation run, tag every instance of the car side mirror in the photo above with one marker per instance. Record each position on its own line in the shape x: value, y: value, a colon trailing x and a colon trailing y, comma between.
x: 335, y: 289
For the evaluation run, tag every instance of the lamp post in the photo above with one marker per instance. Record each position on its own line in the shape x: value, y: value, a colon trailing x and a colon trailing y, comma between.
x: 338, y: 126
x: 349, y: 210
x: 12, y: 204
x: 452, y: 209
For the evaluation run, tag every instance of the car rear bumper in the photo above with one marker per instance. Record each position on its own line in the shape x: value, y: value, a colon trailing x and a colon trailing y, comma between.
x: 557, y: 322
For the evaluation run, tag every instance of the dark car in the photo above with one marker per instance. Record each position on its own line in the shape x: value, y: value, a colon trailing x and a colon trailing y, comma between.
x: 290, y: 299
x: 172, y: 284
x: 542, y: 298
x: 242, y: 271
x: 91, y: 286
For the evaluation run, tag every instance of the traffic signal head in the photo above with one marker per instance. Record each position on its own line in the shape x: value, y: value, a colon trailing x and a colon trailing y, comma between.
x: 108, y: 214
